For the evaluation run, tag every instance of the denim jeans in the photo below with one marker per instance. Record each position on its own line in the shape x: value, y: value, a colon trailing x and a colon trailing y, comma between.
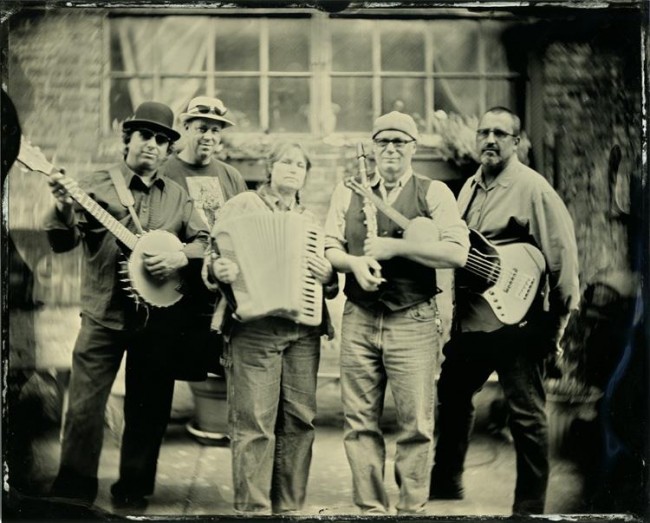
x: 515, y: 354
x: 149, y: 388
x: 400, y: 348
x: 272, y: 405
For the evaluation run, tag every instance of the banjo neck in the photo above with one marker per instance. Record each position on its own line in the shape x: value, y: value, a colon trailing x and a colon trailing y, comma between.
x: 102, y: 216
x: 380, y: 204
x: 33, y: 158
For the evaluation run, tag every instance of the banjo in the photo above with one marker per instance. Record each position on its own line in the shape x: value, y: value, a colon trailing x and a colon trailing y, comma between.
x: 141, y: 286
x: 507, y: 277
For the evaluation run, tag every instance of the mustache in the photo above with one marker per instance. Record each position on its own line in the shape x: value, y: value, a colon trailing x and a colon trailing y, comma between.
x: 490, y: 148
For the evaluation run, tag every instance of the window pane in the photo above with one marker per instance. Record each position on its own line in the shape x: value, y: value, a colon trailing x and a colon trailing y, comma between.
x: 289, y: 45
x: 132, y: 44
x: 126, y: 95
x: 405, y: 95
x: 458, y: 96
x: 177, y: 92
x: 352, y: 104
x: 500, y: 92
x: 241, y: 97
x: 182, y: 44
x: 455, y: 46
x: 351, y: 45
x: 289, y: 104
x: 237, y: 46
x: 495, y: 51
x: 402, y: 47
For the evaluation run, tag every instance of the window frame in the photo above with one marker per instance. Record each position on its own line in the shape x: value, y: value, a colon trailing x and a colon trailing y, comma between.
x: 320, y: 73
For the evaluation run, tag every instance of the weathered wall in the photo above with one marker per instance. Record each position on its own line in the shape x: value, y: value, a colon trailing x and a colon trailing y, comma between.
x: 592, y: 103
x: 590, y: 97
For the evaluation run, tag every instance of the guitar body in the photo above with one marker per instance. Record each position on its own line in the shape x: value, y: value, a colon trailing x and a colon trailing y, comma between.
x: 143, y: 286
x: 507, y: 277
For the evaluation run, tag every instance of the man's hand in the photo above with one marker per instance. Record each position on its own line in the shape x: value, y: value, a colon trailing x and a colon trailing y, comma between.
x: 59, y: 185
x: 381, y: 248
x: 163, y: 264
x: 367, y: 271
x: 320, y: 268
x: 206, y: 271
x: 225, y: 270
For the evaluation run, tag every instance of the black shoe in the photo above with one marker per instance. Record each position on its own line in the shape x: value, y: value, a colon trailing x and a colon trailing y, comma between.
x: 448, y: 491
x: 139, y: 503
x: 121, y: 498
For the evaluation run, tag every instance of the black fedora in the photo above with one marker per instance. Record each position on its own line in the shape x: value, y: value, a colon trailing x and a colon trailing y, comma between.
x: 154, y: 116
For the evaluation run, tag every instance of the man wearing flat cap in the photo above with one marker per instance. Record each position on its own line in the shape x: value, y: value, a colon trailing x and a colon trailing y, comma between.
x: 210, y: 183
x: 391, y: 330
x: 135, y: 194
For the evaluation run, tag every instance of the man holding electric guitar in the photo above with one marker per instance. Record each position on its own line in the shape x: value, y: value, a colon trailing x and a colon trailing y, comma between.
x: 391, y: 330
x: 160, y: 237
x: 513, y: 299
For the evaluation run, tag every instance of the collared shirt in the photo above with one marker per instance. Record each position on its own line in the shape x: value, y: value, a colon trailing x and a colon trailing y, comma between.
x: 440, y: 200
x: 162, y: 205
x: 521, y: 206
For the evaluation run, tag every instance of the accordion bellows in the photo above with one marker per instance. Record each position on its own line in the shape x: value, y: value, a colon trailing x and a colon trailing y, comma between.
x: 271, y: 250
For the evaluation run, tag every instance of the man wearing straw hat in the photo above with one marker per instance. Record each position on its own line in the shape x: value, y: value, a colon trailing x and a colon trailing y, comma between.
x: 210, y: 183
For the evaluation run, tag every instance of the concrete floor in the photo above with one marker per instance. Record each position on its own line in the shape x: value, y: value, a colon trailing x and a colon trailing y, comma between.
x: 195, y: 479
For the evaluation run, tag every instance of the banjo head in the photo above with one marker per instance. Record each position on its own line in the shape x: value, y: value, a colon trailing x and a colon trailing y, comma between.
x: 155, y: 292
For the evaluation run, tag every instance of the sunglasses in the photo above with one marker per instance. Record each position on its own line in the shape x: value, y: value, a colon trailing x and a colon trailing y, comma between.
x: 498, y: 133
x: 147, y: 134
x: 398, y: 144
x: 207, y: 109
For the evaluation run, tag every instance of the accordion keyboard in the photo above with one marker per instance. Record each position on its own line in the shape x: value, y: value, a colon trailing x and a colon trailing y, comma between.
x: 272, y: 251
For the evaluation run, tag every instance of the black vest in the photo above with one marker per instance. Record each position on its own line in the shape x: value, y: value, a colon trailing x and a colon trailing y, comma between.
x: 407, y: 282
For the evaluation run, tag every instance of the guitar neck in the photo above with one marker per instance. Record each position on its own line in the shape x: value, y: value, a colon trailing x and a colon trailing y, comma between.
x: 106, y: 219
x: 481, y: 266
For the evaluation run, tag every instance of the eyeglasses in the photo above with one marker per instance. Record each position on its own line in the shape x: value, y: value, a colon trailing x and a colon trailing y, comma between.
x: 499, y: 134
x: 398, y: 144
x: 147, y: 134
x: 207, y: 109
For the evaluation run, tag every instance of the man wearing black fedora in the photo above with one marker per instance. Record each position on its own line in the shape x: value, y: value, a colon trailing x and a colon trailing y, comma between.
x: 136, y: 194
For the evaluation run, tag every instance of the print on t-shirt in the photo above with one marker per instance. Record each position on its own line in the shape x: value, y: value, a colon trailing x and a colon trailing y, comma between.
x: 207, y: 195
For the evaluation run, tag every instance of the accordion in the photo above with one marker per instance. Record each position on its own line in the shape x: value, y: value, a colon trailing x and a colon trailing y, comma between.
x: 271, y: 250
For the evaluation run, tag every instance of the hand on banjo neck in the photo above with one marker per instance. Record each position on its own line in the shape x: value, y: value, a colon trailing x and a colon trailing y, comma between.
x: 151, y: 273
x: 417, y: 230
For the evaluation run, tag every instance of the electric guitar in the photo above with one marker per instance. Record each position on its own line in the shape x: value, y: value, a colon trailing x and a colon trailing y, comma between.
x: 140, y: 285
x: 507, y: 277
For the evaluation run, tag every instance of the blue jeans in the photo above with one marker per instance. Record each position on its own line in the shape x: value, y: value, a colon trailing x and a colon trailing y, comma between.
x: 400, y: 348
x: 147, y: 403
x: 272, y: 405
x: 516, y: 354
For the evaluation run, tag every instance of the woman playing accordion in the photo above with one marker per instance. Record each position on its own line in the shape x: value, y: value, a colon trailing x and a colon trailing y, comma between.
x: 268, y: 260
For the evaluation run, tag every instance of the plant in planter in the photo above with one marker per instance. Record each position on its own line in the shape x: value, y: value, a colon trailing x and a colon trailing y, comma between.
x: 570, y: 397
x: 455, y: 138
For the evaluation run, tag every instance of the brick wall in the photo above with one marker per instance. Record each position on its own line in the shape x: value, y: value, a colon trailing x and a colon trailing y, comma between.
x: 592, y: 102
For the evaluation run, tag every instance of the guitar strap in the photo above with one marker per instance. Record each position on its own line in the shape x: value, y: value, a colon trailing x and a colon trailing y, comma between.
x: 469, y: 203
x: 125, y: 196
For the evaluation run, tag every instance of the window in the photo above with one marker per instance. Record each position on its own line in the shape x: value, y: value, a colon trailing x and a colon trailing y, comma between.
x: 260, y: 67
x: 311, y: 74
